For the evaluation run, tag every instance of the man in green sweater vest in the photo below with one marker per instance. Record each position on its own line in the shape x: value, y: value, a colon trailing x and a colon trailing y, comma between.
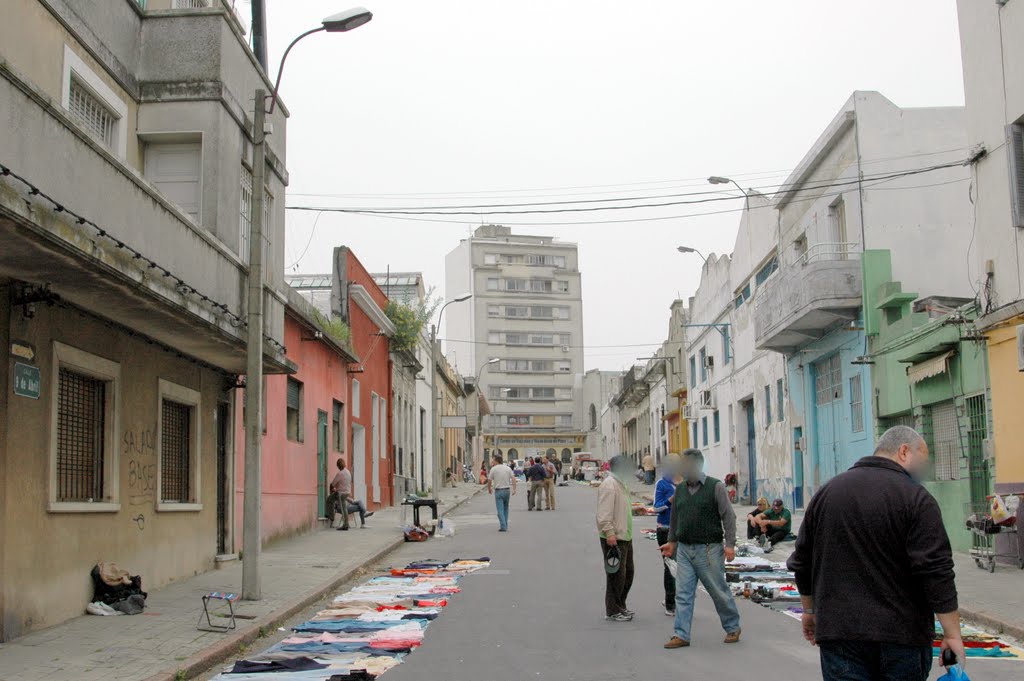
x: 702, y: 536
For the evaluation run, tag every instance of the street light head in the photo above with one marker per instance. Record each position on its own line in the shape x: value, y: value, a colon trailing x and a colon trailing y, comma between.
x: 686, y: 249
x: 463, y: 298
x: 715, y: 179
x: 347, y: 20
x: 494, y: 360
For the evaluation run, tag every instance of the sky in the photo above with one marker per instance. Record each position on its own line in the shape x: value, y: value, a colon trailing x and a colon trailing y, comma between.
x: 487, y: 101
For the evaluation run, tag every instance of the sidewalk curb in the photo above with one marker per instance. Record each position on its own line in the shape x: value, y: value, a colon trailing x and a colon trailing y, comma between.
x: 214, y: 654
x: 993, y: 623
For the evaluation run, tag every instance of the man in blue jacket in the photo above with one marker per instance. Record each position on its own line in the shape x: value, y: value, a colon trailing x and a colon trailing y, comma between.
x: 663, y: 493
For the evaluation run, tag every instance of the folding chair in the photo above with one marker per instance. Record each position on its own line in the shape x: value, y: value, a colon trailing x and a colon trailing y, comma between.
x: 228, y: 598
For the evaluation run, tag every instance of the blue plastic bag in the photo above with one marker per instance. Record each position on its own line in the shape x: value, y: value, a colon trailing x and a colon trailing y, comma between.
x: 954, y: 673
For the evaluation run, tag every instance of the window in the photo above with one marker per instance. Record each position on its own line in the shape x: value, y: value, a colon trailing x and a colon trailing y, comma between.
x: 542, y: 312
x: 561, y: 313
x: 542, y: 339
x: 517, y: 311
x: 490, y: 259
x: 175, y: 169
x: 492, y: 284
x: 510, y: 259
x: 693, y: 371
x: 563, y: 365
x: 828, y: 378
x: 355, y: 398
x: 1015, y: 153
x: 515, y: 284
x: 293, y: 410
x: 564, y: 339
x: 493, y: 311
x: 717, y: 426
x: 517, y: 420
x: 767, y: 406
x: 837, y: 227
x: 541, y: 365
x: 703, y: 365
x: 268, y: 234
x: 543, y: 393
x: 93, y: 105
x: 780, y: 400
x: 945, y: 440
x: 726, y: 345
x: 800, y: 247
x: 704, y: 429
x: 544, y: 421
x: 513, y: 365
x: 769, y: 268
x: 694, y: 442
x: 83, y: 452
x: 593, y: 417
x: 564, y: 421
x: 856, y: 404
x: 337, y: 426
x: 178, y: 438
x: 744, y: 296
x: 515, y: 339
x: 562, y: 286
x: 541, y: 285
x: 494, y: 337
x: 245, y: 215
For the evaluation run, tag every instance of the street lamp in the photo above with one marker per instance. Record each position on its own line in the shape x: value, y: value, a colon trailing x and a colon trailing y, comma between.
x: 717, y: 179
x: 687, y: 249
x: 253, y: 494
x: 479, y: 412
x: 435, y: 421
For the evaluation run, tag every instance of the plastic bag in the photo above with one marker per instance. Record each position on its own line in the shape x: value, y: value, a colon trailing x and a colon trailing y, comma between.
x: 997, y: 509
x: 954, y: 673
x: 670, y: 563
x: 446, y: 529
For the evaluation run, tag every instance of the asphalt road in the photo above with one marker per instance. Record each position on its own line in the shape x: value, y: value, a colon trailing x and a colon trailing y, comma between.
x: 538, y: 613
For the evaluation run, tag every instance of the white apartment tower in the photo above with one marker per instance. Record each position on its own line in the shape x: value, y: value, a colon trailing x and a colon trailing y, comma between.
x: 527, y: 312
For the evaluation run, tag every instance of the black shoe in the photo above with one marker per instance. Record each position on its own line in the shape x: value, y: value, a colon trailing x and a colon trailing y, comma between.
x: 369, y: 514
x: 343, y: 528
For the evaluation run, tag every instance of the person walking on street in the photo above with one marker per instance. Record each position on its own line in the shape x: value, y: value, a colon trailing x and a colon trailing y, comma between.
x: 502, y: 483
x: 615, y: 525
x: 550, y: 482
x: 874, y: 568
x: 341, y: 491
x: 526, y: 479
x: 648, y: 465
x: 702, y: 519
x: 537, y: 475
x: 663, y: 493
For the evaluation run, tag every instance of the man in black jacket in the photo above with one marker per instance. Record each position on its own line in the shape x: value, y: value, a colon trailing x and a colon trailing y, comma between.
x: 874, y: 568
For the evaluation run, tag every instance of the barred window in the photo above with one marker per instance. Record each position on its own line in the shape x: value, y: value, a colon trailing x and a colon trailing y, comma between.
x: 245, y: 215
x: 856, y: 404
x: 945, y: 441
x: 176, y: 452
x: 828, y: 379
x: 81, y: 428
x: 90, y: 112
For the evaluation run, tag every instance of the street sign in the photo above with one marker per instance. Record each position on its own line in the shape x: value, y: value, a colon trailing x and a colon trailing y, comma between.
x: 26, y: 380
x: 453, y: 421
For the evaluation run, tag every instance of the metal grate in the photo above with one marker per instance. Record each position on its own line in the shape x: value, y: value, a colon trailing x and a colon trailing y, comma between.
x: 91, y: 114
x: 945, y: 441
x: 977, y: 431
x: 856, y: 404
x: 175, y: 455
x: 828, y: 379
x: 81, y: 421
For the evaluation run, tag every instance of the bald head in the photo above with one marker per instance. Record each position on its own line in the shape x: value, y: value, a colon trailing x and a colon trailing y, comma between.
x: 905, y: 446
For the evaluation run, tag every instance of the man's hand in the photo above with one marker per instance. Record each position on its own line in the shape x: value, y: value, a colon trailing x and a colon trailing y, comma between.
x: 668, y: 550
x: 611, y: 540
x: 808, y: 621
x: 956, y: 644
x: 730, y: 554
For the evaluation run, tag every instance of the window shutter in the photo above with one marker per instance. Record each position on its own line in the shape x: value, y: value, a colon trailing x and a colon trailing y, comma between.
x: 293, y: 393
x: 175, y: 170
x: 1015, y: 144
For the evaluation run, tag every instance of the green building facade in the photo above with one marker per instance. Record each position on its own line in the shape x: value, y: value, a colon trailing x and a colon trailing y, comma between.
x: 928, y: 369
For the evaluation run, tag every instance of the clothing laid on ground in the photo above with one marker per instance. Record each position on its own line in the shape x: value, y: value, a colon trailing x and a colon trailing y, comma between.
x: 619, y: 583
x: 873, y: 552
x: 296, y: 664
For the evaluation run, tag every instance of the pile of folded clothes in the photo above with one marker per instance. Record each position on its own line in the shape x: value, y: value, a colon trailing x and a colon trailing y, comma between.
x: 366, y: 631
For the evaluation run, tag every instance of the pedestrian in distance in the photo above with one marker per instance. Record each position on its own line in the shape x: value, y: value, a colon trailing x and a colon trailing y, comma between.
x: 550, y: 482
x: 526, y: 479
x: 753, y: 522
x: 649, y: 468
x: 664, y: 491
x: 537, y: 476
x: 502, y: 483
x: 615, y: 525
x: 775, y: 524
x: 874, y: 568
x: 702, y: 537
x: 341, y: 491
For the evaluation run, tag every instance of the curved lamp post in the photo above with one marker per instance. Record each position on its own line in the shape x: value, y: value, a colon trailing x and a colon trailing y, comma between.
x: 687, y: 249
x: 435, y: 477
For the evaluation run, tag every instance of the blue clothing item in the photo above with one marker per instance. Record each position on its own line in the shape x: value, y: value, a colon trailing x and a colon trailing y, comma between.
x: 864, y: 661
x: 501, y: 500
x: 350, y: 626
x: 315, y: 648
x: 663, y: 494
x: 704, y: 562
x: 536, y: 473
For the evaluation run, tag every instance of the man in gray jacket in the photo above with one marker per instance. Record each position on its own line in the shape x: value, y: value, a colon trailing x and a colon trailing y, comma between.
x: 701, y: 537
x: 615, y: 525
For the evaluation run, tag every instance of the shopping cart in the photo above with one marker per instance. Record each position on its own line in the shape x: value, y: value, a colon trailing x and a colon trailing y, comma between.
x: 983, y: 537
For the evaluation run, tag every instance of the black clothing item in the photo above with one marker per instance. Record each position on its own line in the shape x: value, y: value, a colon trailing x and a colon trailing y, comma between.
x: 133, y: 605
x: 114, y: 594
x: 873, y: 552
x: 619, y: 583
x: 776, y: 535
x: 536, y: 473
x: 354, y: 675
x: 295, y: 664
x: 668, y: 580
x: 695, y: 516
x: 859, y: 661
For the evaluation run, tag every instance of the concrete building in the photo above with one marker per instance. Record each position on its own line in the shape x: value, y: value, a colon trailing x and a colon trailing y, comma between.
x: 992, y: 43
x: 878, y: 177
x: 674, y: 352
x: 737, y: 405
x: 527, y: 311
x: 610, y: 421
x: 599, y: 387
x: 453, y: 443
x: 125, y: 201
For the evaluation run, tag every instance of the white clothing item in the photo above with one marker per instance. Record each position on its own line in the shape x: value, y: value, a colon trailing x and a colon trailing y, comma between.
x: 501, y: 476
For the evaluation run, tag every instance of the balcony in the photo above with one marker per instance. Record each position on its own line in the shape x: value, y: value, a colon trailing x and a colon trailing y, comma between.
x: 820, y: 291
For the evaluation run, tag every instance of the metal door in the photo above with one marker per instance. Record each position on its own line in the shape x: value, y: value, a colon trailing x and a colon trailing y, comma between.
x: 977, y: 466
x: 751, y: 450
x: 321, y: 463
x: 828, y: 391
x: 223, y: 415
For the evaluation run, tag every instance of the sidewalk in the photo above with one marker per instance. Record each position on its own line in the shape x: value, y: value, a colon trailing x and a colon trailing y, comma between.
x: 991, y: 600
x: 158, y: 644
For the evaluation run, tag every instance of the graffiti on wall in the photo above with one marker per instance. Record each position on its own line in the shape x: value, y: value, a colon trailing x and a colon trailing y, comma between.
x: 139, y: 448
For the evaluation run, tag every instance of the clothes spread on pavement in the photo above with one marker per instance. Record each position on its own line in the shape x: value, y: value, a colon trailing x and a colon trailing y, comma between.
x: 366, y: 631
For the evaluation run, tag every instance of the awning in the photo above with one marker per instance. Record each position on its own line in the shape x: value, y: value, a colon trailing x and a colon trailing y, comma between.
x: 932, y: 367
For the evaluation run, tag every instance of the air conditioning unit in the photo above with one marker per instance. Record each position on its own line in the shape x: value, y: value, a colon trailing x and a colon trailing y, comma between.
x: 1020, y: 348
x: 707, y: 400
x: 709, y: 362
x: 690, y: 412
x: 565, y: 348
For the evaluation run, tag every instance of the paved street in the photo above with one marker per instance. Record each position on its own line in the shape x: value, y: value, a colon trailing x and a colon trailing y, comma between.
x: 538, y: 613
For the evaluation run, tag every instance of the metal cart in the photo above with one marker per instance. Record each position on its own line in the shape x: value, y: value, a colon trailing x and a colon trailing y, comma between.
x: 983, y: 549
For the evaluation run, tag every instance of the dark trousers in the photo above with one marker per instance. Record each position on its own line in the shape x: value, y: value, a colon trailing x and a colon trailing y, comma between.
x: 775, y: 536
x: 752, y: 531
x: 649, y: 477
x: 667, y: 578
x: 618, y: 584
x: 861, y: 661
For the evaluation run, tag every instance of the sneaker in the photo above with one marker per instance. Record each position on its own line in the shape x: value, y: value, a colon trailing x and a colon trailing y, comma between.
x: 676, y: 642
x: 670, y: 612
x: 620, y: 617
x: 761, y: 540
x: 363, y: 527
x: 733, y: 637
x: 630, y: 613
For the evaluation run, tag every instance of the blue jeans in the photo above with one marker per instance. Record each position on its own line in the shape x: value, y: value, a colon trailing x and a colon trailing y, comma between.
x: 501, y: 499
x: 863, y: 661
x: 704, y: 562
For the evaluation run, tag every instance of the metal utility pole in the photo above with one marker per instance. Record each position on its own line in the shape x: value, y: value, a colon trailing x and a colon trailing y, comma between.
x: 435, y: 417
x: 259, y: 32
x: 252, y: 501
